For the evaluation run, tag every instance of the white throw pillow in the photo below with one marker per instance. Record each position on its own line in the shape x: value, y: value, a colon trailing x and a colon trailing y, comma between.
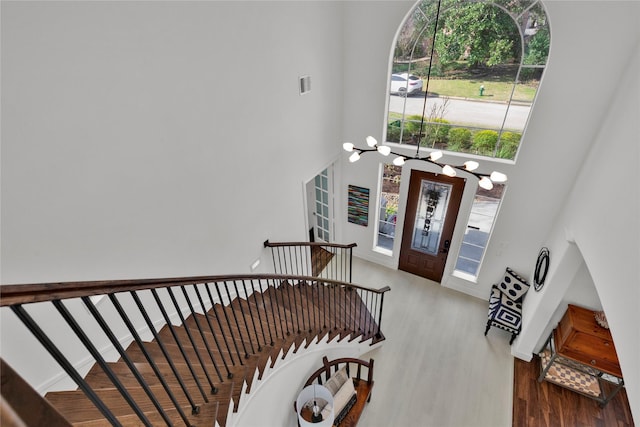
x: 326, y: 411
x: 337, y: 380
x: 343, y: 396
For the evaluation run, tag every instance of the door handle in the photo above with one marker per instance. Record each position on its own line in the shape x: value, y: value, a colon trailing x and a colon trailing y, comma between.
x: 447, y: 243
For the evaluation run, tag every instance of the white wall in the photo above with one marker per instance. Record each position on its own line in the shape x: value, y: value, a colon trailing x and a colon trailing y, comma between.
x: 571, y: 284
x: 591, y: 43
x: 582, y: 291
x: 612, y: 252
x: 370, y: 24
x: 558, y: 135
x: 126, y: 129
x: 147, y: 139
x: 600, y: 221
x: 156, y: 139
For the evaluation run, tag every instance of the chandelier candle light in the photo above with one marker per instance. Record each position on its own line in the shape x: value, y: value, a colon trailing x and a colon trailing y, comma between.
x: 485, y: 181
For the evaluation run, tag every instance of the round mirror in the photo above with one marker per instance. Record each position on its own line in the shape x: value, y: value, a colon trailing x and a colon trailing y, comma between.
x: 542, y: 267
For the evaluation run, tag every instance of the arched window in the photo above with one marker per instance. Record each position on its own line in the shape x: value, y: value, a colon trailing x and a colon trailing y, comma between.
x: 465, y: 75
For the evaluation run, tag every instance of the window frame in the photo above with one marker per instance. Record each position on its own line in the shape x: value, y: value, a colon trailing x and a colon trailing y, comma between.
x: 517, y: 11
x: 465, y: 274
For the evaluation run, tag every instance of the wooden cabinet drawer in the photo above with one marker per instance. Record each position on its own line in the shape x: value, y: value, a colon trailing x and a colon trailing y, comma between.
x: 579, y: 337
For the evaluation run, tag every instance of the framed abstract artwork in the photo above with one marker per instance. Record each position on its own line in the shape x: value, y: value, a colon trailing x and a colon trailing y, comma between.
x: 358, y: 205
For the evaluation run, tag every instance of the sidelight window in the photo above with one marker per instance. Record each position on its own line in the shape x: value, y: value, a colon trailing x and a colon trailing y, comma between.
x: 483, y: 214
x: 388, y: 207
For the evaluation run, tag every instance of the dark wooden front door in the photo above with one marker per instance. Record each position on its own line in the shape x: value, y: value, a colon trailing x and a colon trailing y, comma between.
x: 432, y: 208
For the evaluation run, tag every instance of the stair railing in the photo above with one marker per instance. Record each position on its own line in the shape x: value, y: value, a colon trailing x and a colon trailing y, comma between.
x: 214, y: 343
x: 318, y: 259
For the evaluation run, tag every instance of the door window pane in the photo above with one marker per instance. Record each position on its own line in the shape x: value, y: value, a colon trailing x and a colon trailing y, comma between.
x: 430, y: 215
x: 323, y: 209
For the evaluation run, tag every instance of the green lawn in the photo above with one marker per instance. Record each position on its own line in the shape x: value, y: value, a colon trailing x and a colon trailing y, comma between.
x: 462, y: 82
x: 493, y: 91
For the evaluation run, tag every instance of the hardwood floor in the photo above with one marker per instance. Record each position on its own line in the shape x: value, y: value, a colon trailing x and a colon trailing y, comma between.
x: 437, y: 369
x: 548, y: 405
x: 320, y: 257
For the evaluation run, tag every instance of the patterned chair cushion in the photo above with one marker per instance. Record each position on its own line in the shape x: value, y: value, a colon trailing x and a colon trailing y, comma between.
x: 504, y: 312
x: 513, y: 285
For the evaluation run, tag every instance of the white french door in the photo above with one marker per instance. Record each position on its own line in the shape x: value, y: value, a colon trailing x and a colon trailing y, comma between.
x: 320, y: 206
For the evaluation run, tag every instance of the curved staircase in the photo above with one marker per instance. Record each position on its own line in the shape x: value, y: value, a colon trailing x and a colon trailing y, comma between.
x: 196, y: 346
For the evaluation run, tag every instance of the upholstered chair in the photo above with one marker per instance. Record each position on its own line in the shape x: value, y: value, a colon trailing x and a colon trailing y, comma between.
x: 505, y: 303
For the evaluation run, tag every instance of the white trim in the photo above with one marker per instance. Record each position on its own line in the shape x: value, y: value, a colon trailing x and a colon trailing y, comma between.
x: 332, y: 201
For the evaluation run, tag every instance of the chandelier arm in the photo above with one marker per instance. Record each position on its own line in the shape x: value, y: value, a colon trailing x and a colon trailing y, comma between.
x: 476, y: 174
x: 428, y: 160
x: 364, y: 150
x: 401, y: 155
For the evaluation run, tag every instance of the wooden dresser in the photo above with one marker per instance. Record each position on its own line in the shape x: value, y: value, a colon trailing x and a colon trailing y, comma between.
x: 579, y: 337
x: 580, y: 355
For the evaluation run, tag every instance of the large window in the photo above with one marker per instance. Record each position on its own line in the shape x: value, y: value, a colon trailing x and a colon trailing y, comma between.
x: 482, y: 64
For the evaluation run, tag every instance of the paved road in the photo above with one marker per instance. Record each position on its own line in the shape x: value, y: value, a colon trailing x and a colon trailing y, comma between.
x: 483, y: 114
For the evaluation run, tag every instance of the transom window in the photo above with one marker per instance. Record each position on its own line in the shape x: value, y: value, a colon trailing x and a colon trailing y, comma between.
x: 483, y: 76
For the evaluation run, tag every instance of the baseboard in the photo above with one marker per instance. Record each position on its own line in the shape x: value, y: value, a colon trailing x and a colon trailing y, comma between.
x: 527, y: 357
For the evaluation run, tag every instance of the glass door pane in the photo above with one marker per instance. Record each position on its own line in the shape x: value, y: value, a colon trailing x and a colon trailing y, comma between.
x: 322, y: 183
x: 430, y: 215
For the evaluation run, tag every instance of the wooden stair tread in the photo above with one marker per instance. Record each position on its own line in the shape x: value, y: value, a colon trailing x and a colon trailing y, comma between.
x: 77, y: 407
x: 206, y: 417
x: 293, y: 312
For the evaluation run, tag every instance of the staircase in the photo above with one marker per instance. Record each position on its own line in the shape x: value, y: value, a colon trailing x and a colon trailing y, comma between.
x: 197, y: 345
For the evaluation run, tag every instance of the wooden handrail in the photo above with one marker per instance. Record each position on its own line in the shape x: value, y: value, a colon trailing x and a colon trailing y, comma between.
x: 39, y: 292
x: 22, y: 405
x: 8, y: 417
x: 310, y: 305
x: 325, y: 260
x: 268, y: 244
x: 221, y: 323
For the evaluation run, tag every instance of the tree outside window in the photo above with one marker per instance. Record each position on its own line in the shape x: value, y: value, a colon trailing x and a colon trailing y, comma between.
x: 492, y: 53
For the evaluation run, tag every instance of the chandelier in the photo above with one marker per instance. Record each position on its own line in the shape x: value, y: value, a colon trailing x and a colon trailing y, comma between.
x: 484, y: 180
